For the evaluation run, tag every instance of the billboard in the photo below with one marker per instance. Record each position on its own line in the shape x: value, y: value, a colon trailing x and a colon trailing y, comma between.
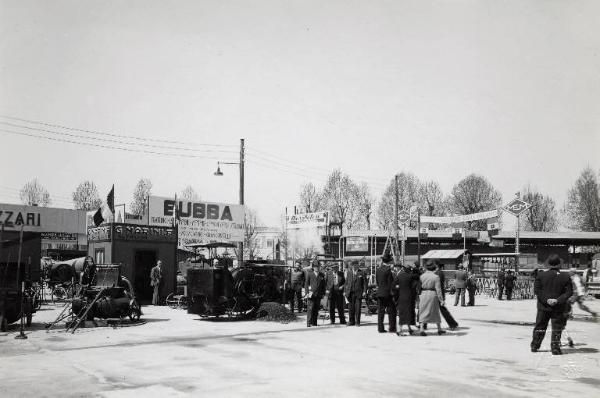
x: 42, y: 219
x: 199, y: 222
x: 307, y: 220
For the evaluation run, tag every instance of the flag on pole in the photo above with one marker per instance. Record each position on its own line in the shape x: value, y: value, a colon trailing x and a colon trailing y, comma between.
x: 98, y: 218
x: 493, y: 226
x: 110, y: 199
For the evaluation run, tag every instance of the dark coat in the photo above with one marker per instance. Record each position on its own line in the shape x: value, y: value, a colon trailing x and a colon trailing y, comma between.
x: 509, y: 281
x: 461, y: 279
x: 355, y: 284
x: 405, y: 288
x: 385, y: 280
x: 501, y: 278
x: 552, y: 284
x: 330, y: 281
x: 297, y: 279
x: 315, y: 284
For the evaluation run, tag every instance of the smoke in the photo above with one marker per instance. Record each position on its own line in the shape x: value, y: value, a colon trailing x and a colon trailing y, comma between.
x: 305, y: 242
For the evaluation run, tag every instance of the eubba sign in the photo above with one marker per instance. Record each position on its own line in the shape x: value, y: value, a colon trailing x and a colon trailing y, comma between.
x: 199, y: 222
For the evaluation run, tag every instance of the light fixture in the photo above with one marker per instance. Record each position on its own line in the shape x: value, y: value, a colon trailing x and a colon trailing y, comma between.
x: 218, y: 172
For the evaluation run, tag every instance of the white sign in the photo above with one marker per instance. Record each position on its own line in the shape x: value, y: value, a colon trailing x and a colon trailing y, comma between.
x: 307, y: 220
x: 42, y: 219
x: 516, y: 207
x: 461, y: 218
x: 199, y: 222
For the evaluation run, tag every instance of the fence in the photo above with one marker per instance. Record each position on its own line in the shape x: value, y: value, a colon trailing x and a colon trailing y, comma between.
x: 523, y: 287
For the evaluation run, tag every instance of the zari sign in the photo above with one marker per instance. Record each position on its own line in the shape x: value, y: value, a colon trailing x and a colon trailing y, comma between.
x: 199, y: 222
x: 42, y: 219
x: 307, y: 220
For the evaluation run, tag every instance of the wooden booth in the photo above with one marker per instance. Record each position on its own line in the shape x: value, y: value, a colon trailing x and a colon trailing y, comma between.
x: 137, y: 248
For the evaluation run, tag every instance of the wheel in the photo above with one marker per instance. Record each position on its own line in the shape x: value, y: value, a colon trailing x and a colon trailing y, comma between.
x: 59, y: 293
x: 183, y: 302
x: 134, y: 312
x: 171, y: 301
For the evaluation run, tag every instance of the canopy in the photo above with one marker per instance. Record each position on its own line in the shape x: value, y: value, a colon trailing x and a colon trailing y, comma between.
x: 443, y: 254
x: 212, y: 245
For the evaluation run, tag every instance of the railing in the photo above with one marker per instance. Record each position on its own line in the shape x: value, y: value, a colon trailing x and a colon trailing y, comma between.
x: 523, y: 287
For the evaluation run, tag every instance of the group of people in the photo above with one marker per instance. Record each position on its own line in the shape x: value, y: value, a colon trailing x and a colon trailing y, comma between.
x: 401, y: 291
x: 506, y: 283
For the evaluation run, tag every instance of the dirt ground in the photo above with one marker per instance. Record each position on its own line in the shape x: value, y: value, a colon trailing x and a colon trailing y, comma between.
x: 174, y: 354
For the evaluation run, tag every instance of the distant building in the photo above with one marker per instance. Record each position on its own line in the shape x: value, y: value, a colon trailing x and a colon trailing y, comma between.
x: 266, y: 244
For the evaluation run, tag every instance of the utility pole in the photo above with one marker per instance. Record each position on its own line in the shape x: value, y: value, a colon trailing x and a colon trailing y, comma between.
x: 419, y: 236
x: 394, y: 252
x: 241, y: 245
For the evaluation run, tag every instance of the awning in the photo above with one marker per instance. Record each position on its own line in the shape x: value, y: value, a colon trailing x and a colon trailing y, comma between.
x: 443, y: 254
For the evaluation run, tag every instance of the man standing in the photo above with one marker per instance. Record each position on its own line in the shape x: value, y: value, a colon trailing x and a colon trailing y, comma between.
x: 460, y: 284
x: 354, y: 290
x: 314, y: 288
x: 471, y: 288
x: 155, y: 280
x: 334, y: 289
x: 500, y: 283
x: 297, y: 280
x: 385, y: 283
x: 552, y: 289
x: 509, y: 284
x: 440, y: 272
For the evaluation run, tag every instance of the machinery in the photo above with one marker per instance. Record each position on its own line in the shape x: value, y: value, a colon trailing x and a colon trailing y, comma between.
x: 110, y: 296
x: 15, y: 293
x: 239, y: 293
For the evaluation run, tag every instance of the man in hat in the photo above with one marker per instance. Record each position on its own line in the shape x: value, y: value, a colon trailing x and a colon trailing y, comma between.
x: 314, y: 288
x: 509, y: 284
x: 500, y: 282
x: 385, y: 283
x: 460, y: 284
x: 155, y: 281
x: 334, y: 289
x: 354, y: 290
x: 297, y: 280
x: 552, y: 289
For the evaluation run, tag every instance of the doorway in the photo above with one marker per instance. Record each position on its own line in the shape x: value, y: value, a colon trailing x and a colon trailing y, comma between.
x: 144, y: 260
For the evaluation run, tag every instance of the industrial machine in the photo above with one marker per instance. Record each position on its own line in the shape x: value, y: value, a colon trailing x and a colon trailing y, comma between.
x: 15, y: 294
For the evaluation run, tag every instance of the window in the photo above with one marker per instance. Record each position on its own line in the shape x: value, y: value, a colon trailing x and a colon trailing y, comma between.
x: 99, y: 256
x: 269, y: 242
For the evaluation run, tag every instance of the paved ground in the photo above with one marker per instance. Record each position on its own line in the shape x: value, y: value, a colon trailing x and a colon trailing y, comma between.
x: 176, y: 354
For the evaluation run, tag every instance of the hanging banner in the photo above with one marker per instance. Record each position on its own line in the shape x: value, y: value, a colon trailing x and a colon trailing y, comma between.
x: 199, y: 222
x: 460, y: 219
x: 307, y: 220
x: 357, y: 244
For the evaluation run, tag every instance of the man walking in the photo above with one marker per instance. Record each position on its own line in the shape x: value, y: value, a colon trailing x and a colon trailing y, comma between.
x: 297, y: 280
x: 334, y: 289
x: 460, y: 284
x: 552, y: 289
x: 385, y: 283
x: 354, y: 290
x: 155, y: 280
x: 314, y: 288
x: 509, y: 284
x: 500, y: 282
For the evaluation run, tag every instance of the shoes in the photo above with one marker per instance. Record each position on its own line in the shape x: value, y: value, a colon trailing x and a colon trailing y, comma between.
x: 556, y: 351
x: 411, y: 332
x: 358, y: 324
x: 342, y: 323
x: 382, y: 331
x: 571, y: 343
x: 423, y: 334
x: 350, y: 324
x: 308, y: 326
x: 392, y: 331
x: 534, y: 348
x: 440, y: 332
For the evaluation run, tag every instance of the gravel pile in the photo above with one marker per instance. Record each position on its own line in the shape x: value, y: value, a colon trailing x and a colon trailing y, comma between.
x: 274, y: 312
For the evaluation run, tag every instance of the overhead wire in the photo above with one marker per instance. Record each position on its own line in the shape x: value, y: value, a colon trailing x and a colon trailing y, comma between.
x: 111, y: 134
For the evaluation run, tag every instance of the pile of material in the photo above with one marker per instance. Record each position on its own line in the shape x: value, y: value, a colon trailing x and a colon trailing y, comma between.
x: 274, y: 312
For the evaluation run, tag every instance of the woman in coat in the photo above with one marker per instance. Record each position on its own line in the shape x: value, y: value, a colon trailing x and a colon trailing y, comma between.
x: 405, y: 288
x: 430, y: 299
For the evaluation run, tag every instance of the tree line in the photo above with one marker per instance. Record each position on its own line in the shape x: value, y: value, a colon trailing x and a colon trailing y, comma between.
x: 351, y: 205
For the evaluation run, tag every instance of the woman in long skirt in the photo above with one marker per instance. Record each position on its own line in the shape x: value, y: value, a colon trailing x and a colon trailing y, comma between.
x: 430, y: 299
x: 405, y: 286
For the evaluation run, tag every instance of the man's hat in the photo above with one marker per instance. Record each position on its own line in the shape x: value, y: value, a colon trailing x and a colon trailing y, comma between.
x: 554, y: 260
x: 315, y: 263
x: 386, y: 258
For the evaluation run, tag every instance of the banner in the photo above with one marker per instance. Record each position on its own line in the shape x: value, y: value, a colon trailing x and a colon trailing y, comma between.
x: 308, y: 220
x: 462, y: 218
x: 199, y: 222
x: 357, y: 244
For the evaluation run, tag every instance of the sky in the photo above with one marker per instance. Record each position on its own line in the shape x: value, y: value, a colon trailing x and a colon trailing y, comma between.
x: 506, y: 89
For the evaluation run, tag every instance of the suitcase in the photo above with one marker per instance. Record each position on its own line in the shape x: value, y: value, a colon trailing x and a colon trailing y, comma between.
x: 452, y: 324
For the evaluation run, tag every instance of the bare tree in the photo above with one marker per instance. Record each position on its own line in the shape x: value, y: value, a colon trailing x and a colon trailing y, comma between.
x: 542, y: 215
x: 250, y: 232
x: 140, y: 195
x: 339, y: 195
x: 582, y: 209
x: 364, y: 203
x: 408, y: 195
x: 189, y: 194
x: 311, y: 199
x: 474, y: 194
x: 33, y: 193
x: 431, y: 199
x: 86, y: 196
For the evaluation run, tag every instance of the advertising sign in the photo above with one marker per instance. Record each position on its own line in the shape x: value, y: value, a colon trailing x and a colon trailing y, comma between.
x: 307, y: 220
x: 42, y: 219
x: 198, y: 222
x: 461, y: 218
x: 357, y: 244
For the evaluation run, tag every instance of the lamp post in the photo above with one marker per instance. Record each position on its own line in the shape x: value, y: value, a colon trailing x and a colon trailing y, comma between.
x: 219, y: 173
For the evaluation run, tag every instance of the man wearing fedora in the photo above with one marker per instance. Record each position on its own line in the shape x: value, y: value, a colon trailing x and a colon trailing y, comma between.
x: 315, y: 289
x: 354, y: 290
x: 334, y: 288
x: 385, y: 283
x: 552, y: 289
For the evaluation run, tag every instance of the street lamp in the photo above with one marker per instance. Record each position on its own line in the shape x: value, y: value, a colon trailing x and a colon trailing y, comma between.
x: 219, y: 173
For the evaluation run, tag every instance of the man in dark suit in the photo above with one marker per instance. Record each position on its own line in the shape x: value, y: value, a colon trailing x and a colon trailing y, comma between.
x: 440, y: 272
x: 334, y: 289
x: 509, y: 284
x: 354, y: 290
x: 385, y: 283
x: 460, y: 284
x: 552, y: 289
x: 296, y: 284
x: 314, y: 288
x: 501, y: 279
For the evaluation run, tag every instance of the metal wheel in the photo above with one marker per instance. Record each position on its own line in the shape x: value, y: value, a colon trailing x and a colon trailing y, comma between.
x: 59, y: 293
